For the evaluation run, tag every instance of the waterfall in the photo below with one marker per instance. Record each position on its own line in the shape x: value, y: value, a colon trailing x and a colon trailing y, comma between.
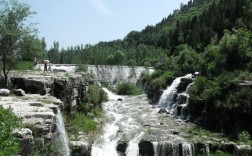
x: 62, y: 142
x: 132, y: 125
x: 184, y: 110
x: 167, y: 98
x: 188, y: 149
x: 133, y: 148
x: 174, y: 149
x: 106, y: 144
x: 120, y: 125
x: 167, y: 148
x: 207, y: 149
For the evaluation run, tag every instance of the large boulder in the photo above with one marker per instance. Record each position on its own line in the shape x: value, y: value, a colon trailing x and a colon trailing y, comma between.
x: 122, y: 146
x: 184, y: 82
x: 26, y: 140
x: 146, y: 148
x: 4, y: 92
x: 80, y: 148
x: 228, y: 147
x: 241, y: 150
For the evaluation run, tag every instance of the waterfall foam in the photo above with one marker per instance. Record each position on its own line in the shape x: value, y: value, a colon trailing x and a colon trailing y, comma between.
x: 133, y: 148
x: 120, y: 124
x: 176, y: 103
x: 166, y: 98
x: 106, y: 144
x: 62, y: 142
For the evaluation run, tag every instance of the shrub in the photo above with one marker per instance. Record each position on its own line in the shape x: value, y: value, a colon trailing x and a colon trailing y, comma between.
x: 25, y: 65
x: 243, y: 136
x: 145, y: 77
x: 9, y: 145
x: 127, y: 88
x: 96, y: 95
x: 82, y: 68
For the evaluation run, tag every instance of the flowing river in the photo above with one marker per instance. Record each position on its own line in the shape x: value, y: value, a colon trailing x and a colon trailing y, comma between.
x: 133, y: 122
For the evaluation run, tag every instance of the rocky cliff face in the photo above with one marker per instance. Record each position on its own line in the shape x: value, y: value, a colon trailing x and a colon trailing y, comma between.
x: 70, y: 88
x: 38, y: 117
x: 37, y: 102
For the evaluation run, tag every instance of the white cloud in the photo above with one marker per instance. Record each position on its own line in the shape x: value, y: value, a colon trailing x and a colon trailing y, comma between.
x: 101, y: 7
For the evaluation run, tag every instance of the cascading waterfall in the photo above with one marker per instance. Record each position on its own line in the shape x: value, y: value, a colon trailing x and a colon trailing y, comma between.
x: 167, y: 148
x: 176, y: 105
x: 166, y: 99
x: 174, y: 149
x: 188, y: 149
x: 133, y: 148
x: 130, y: 120
x: 184, y: 110
x: 120, y: 123
x: 62, y: 142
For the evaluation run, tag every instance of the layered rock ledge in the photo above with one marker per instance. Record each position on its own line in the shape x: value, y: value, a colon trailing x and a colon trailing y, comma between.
x: 38, y: 116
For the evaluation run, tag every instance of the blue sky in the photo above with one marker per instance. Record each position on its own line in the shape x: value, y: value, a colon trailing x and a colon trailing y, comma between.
x: 75, y: 22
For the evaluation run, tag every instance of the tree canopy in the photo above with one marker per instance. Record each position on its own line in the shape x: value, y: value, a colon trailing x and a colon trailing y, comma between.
x: 17, y: 37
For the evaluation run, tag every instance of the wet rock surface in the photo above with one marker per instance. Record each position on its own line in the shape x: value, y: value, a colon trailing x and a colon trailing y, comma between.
x: 158, y: 127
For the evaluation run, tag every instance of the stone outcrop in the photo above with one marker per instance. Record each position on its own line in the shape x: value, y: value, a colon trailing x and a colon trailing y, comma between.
x: 80, y: 148
x: 69, y: 88
x: 146, y: 148
x: 37, y: 114
x: 26, y: 140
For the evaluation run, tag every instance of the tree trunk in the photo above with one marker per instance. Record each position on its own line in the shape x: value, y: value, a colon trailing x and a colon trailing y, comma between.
x: 5, y: 71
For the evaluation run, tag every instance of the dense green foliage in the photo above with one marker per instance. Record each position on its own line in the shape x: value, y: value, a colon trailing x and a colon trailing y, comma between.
x: 9, y: 145
x: 127, y: 88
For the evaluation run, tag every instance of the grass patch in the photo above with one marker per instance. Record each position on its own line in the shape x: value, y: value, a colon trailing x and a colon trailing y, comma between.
x: 199, y: 134
x: 81, y: 123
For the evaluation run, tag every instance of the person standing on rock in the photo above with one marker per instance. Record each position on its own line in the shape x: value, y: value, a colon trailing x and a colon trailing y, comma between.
x: 45, y: 65
x: 50, y: 66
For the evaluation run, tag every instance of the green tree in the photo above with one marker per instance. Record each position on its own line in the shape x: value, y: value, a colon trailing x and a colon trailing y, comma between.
x: 53, y: 53
x: 31, y: 47
x: 119, y: 58
x: 13, y: 26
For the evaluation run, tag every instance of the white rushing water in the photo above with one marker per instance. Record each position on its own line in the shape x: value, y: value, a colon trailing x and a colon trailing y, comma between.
x: 167, y: 98
x: 118, y: 119
x: 62, y: 142
x: 105, y: 73
x: 131, y: 120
